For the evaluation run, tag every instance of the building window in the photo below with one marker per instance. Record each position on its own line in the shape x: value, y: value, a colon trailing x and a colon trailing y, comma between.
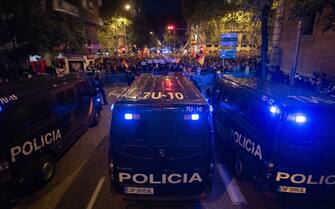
x: 84, y: 2
x: 90, y: 4
x: 308, y: 25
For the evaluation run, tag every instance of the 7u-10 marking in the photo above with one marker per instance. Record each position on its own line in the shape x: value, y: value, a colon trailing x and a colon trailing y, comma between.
x: 160, y: 95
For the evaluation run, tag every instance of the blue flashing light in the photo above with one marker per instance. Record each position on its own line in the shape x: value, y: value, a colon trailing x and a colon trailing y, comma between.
x: 128, y: 116
x: 98, y: 99
x: 0, y: 108
x: 211, y: 108
x: 300, y: 119
x: 112, y: 107
x: 195, y: 116
x: 274, y: 110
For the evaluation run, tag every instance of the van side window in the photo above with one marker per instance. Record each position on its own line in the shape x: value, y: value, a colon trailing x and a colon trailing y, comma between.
x: 228, y: 98
x: 26, y: 117
x: 83, y: 91
x: 61, y: 98
x: 243, y: 108
x: 66, y: 101
x: 40, y: 109
x: 21, y: 122
x: 65, y: 98
x: 71, y: 97
x: 259, y: 117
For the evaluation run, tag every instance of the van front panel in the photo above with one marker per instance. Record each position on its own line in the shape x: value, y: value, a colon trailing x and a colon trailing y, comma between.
x: 160, y: 151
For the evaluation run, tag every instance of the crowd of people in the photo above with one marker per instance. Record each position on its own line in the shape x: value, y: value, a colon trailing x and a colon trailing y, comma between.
x: 187, y: 64
x: 183, y: 64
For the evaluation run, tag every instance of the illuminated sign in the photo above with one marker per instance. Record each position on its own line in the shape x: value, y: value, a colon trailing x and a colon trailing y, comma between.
x: 160, y: 95
x: 229, y: 39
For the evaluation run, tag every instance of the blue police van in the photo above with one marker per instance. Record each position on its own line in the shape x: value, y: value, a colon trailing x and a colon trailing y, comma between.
x: 40, y: 118
x: 279, y: 135
x: 161, y: 139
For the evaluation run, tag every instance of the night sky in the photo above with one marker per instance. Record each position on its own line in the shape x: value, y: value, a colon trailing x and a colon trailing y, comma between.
x: 163, y: 12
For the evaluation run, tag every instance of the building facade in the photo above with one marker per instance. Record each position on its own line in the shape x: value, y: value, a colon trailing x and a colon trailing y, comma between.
x: 317, y: 46
x: 87, y: 11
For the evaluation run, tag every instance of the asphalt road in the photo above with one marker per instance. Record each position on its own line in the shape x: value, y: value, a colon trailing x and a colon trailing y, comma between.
x: 81, y: 181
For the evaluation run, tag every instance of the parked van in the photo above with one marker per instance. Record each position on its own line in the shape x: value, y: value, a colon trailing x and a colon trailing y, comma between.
x: 279, y: 135
x: 40, y: 119
x: 161, y: 139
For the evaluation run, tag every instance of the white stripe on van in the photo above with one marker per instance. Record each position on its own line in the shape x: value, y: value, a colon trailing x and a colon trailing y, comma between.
x: 232, y: 188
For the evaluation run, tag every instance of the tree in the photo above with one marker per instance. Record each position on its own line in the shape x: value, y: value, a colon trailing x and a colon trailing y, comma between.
x: 307, y: 8
x: 32, y: 28
x: 168, y: 38
x: 197, y: 11
x: 107, y: 35
x: 262, y: 10
x: 140, y: 31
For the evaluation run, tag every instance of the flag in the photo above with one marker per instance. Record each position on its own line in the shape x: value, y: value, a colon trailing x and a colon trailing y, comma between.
x: 125, y: 64
x: 178, y: 60
x: 201, y: 59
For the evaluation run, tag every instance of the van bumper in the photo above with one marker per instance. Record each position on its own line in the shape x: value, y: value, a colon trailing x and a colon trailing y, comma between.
x: 118, y: 191
x: 275, y: 189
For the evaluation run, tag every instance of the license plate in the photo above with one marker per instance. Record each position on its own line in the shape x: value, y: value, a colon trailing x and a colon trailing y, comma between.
x: 296, y: 190
x: 138, y: 190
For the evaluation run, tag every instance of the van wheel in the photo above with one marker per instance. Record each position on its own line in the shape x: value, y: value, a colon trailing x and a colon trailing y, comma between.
x: 47, y: 169
x: 239, y: 166
x: 96, y: 119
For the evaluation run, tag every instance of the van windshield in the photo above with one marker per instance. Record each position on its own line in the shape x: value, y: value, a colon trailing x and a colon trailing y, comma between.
x: 161, y: 128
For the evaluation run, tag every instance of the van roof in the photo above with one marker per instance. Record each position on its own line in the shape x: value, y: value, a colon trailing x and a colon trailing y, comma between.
x: 36, y: 85
x: 281, y: 94
x: 147, y: 86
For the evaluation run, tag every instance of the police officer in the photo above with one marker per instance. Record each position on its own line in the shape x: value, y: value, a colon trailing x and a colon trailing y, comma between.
x: 98, y: 85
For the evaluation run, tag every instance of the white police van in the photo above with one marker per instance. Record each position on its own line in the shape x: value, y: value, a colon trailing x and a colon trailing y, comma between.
x: 40, y: 119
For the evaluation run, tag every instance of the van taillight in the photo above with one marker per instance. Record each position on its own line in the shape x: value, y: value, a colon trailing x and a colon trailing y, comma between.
x: 4, y: 171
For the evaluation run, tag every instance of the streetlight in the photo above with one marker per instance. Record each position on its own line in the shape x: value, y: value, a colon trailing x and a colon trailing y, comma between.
x: 127, y: 7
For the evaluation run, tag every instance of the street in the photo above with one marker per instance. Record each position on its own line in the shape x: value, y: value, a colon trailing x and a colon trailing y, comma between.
x: 81, y: 181
x: 183, y: 104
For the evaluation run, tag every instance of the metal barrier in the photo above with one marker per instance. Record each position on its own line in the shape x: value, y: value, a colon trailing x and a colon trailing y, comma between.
x: 114, y: 79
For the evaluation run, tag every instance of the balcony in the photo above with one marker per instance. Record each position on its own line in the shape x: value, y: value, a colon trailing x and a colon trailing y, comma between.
x: 101, y: 22
x: 65, y: 7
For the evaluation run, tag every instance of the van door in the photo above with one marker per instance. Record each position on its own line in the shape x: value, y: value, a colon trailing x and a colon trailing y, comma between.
x: 186, y: 147
x: 224, y: 106
x: 66, y: 107
x: 86, y: 107
x: 134, y: 137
